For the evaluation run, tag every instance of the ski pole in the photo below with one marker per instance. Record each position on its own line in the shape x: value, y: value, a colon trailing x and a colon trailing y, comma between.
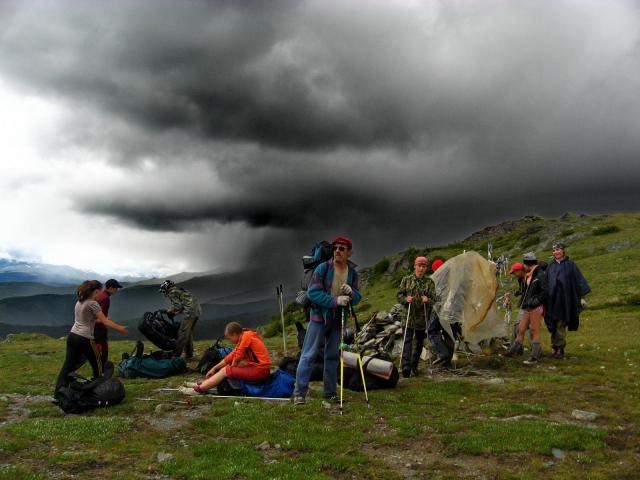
x: 364, y: 382
x: 281, y: 305
x: 404, y: 338
x: 341, y: 361
x: 214, y: 396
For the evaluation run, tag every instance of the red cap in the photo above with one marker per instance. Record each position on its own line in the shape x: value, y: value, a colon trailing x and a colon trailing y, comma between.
x: 344, y: 240
x: 421, y: 261
x: 516, y: 266
x: 436, y: 264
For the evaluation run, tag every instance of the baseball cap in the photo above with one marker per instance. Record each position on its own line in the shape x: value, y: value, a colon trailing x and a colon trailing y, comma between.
x: 112, y: 283
x: 516, y: 266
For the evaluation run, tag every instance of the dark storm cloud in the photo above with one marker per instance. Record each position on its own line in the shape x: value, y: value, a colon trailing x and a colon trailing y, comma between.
x: 366, y: 117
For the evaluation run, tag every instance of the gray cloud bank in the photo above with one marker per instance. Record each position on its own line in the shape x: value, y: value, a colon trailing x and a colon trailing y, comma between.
x: 409, y: 122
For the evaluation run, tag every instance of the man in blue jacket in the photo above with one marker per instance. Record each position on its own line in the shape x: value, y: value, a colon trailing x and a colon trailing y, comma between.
x: 333, y: 286
x: 566, y: 288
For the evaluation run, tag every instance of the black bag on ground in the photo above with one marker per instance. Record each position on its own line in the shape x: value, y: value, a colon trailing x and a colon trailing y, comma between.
x: 82, y: 395
x: 159, y: 329
x: 212, y: 356
x: 229, y: 386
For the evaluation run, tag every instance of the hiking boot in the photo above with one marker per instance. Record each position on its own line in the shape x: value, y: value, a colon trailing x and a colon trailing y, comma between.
x: 531, y: 361
x: 442, y: 362
x: 406, y: 373
x: 515, y: 350
x: 335, y: 399
x: 558, y: 353
x: 415, y: 372
x: 299, y: 400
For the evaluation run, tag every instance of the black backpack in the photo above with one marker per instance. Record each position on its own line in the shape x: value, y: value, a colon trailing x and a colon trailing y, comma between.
x: 212, y: 356
x: 160, y: 330
x: 321, y: 252
x: 82, y: 395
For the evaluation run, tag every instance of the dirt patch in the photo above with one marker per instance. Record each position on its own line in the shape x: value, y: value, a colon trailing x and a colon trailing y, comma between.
x: 427, y: 459
x: 16, y: 409
x: 176, y: 418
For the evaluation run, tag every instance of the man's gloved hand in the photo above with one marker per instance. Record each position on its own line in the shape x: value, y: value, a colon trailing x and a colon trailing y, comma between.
x: 346, y: 289
x: 343, y: 300
x: 425, y: 299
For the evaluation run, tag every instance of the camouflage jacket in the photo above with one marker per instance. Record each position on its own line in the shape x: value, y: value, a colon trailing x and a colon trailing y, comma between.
x: 183, y: 302
x: 417, y: 287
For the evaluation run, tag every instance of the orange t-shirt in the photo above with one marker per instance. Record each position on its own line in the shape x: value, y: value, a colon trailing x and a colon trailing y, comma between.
x: 251, y: 349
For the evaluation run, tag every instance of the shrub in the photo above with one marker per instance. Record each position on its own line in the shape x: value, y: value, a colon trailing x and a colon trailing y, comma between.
x: 605, y: 229
x: 529, y: 242
x: 381, y: 267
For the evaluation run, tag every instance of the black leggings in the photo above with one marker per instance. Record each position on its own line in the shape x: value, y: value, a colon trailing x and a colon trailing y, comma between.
x: 79, y: 349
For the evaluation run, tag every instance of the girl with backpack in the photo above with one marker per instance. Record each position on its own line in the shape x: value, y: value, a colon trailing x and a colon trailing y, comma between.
x: 80, y: 343
x: 249, y: 361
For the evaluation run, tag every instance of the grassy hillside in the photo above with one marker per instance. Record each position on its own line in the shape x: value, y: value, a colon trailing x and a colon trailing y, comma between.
x: 490, y: 418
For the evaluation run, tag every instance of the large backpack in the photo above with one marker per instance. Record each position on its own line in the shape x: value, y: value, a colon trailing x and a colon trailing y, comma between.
x: 160, y: 330
x: 82, y: 395
x: 279, y: 385
x: 212, y: 357
x: 150, y: 365
x: 321, y: 252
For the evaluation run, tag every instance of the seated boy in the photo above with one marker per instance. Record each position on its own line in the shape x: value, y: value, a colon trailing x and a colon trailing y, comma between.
x: 248, y: 361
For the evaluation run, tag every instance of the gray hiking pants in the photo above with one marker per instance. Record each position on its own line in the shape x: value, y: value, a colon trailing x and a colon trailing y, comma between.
x: 559, y: 336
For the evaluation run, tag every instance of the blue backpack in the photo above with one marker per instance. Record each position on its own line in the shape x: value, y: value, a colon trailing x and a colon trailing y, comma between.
x: 279, y: 385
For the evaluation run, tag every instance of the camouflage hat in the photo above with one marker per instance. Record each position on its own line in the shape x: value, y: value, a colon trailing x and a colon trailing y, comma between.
x: 559, y: 245
x: 529, y: 257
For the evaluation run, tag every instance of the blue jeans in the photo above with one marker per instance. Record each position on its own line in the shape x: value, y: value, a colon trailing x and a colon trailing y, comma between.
x: 316, y: 332
x: 434, y: 332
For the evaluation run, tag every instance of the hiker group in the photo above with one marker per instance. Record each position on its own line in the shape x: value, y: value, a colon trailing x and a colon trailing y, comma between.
x: 553, y: 291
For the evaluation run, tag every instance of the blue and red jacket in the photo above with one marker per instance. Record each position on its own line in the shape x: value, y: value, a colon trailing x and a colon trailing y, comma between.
x: 324, y: 305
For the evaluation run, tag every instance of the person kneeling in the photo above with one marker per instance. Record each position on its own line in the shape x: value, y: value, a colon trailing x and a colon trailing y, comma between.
x: 249, y: 361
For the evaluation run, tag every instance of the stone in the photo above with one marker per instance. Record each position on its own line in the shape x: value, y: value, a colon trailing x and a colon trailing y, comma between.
x: 495, y: 381
x: 277, y: 446
x: 163, y: 407
x: 165, y: 457
x: 584, y: 415
x: 263, y: 446
x: 557, y: 453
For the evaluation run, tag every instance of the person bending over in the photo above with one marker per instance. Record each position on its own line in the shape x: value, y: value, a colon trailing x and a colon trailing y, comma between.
x: 80, y: 343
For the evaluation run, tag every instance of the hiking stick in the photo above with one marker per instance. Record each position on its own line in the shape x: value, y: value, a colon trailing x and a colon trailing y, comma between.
x: 404, y: 339
x: 341, y: 361
x: 364, y: 382
x: 281, y: 305
x: 214, y: 396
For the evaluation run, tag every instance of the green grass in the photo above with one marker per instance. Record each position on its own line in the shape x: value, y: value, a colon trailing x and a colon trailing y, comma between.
x: 531, y: 436
x: 457, y: 425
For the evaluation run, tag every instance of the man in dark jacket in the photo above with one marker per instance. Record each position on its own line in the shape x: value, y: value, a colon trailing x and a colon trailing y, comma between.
x: 566, y: 288
x: 531, y: 308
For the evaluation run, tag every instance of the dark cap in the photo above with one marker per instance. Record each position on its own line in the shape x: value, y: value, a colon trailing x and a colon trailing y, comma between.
x: 112, y: 283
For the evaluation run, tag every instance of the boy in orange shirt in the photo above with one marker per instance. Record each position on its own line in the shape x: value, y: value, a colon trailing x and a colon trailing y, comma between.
x: 248, y: 361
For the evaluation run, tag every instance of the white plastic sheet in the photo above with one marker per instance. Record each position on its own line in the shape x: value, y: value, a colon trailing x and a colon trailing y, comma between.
x: 466, y: 286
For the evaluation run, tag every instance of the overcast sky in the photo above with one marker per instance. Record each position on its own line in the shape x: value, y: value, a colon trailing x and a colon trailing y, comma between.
x: 159, y: 137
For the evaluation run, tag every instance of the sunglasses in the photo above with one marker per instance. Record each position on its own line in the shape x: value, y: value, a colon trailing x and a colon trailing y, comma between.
x: 342, y: 248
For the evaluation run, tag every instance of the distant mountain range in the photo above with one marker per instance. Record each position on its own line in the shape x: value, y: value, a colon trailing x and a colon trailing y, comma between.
x: 47, y: 306
x: 23, y: 271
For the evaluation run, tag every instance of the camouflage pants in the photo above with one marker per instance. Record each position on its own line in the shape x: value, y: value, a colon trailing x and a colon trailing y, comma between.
x: 185, y: 337
x: 559, y: 336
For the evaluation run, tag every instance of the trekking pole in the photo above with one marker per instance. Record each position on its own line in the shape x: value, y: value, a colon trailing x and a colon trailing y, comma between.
x: 364, y: 382
x: 281, y: 305
x: 404, y: 338
x: 341, y: 361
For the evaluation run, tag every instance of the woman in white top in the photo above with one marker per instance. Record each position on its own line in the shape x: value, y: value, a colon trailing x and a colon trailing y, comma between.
x: 80, y: 344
